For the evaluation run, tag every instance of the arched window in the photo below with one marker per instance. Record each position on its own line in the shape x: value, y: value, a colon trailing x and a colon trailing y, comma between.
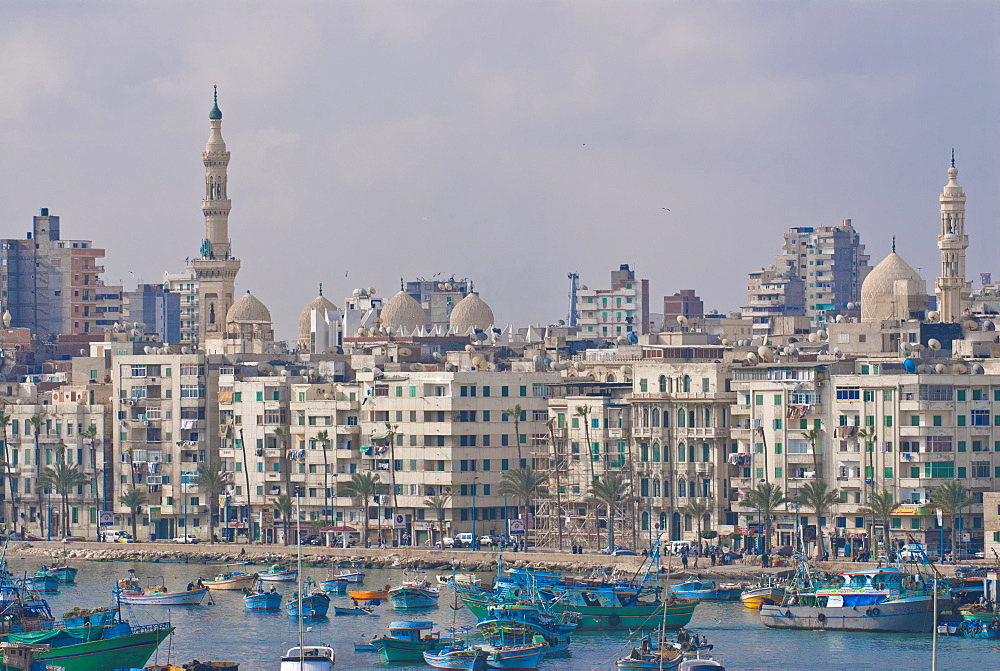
x: 643, y: 385
x: 656, y: 487
x: 687, y: 522
x: 687, y: 384
x: 666, y: 489
x: 708, y: 417
x: 663, y: 384
x: 644, y: 451
x: 656, y: 417
x: 691, y: 422
x: 645, y: 521
x: 681, y: 452
x: 706, y: 452
x: 644, y: 487
x: 680, y: 418
x: 644, y: 417
x: 663, y: 521
x: 611, y: 378
x: 681, y: 488
x: 690, y: 452
x: 666, y: 453
x: 656, y: 452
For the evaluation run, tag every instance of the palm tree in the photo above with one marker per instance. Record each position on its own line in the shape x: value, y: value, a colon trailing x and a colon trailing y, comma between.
x: 437, y: 504
x: 323, y: 438
x: 813, y: 435
x: 515, y: 414
x: 523, y: 484
x: 133, y: 499
x: 36, y: 422
x: 11, y: 484
x: 951, y: 497
x: 284, y: 505
x: 583, y: 411
x: 281, y: 434
x: 62, y: 478
x: 816, y: 496
x: 362, y: 488
x: 881, y: 505
x: 765, y: 498
x: 212, y: 481
x: 90, y: 434
x: 609, y: 492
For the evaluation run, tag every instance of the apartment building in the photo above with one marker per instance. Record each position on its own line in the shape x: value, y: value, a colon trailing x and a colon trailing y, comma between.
x: 185, y: 285
x: 617, y: 311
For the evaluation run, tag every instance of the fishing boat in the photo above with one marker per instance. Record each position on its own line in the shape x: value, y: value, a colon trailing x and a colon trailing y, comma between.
x: 642, y: 658
x: 231, y: 580
x: 369, y: 594
x: 471, y: 659
x: 706, y: 590
x: 523, y: 624
x: 278, y: 573
x: 334, y: 586
x: 524, y: 657
x: 466, y: 579
x: 406, y: 641
x: 155, y: 593
x: 42, y: 583
x: 313, y: 604
x: 615, y: 607
x: 357, y: 610
x: 980, y: 629
x: 879, y: 599
x: 701, y: 664
x: 309, y: 658
x: 120, y: 646
x: 755, y: 597
x: 59, y: 570
x: 353, y: 577
x: 362, y: 646
x: 414, y: 593
x: 305, y: 657
x: 257, y: 598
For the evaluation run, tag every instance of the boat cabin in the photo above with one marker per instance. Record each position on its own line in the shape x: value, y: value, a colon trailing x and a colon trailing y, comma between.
x: 408, y: 630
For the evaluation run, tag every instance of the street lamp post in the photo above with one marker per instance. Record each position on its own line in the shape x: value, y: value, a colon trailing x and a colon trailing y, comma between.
x: 475, y: 538
x: 378, y: 500
x: 48, y: 514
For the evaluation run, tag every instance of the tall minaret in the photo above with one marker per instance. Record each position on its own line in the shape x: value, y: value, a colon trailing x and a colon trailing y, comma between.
x: 951, y: 286
x: 216, y: 268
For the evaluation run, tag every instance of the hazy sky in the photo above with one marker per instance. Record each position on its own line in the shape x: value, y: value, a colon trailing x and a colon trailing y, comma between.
x: 507, y: 142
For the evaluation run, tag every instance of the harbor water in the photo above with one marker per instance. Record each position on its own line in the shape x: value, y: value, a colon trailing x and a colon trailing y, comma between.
x: 226, y: 631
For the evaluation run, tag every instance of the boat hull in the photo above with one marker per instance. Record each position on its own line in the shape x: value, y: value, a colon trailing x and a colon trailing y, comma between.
x: 63, y: 574
x: 753, y: 599
x: 521, y: 657
x: 334, y: 586
x: 472, y: 660
x: 401, y: 650
x: 191, y: 598
x: 314, y: 605
x: 236, y: 583
x: 315, y: 658
x: 368, y: 594
x: 279, y: 576
x: 410, y: 597
x: 119, y: 652
x: 266, y: 601
x: 915, y: 615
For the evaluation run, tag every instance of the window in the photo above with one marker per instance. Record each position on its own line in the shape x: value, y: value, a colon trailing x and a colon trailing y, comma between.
x: 939, y: 469
x: 848, y: 394
x: 961, y: 393
x: 887, y: 472
x: 939, y: 444
x: 980, y: 469
x: 192, y: 391
x: 980, y: 418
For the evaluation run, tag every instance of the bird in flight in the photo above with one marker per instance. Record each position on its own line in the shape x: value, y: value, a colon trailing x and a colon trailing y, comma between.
x: 665, y: 208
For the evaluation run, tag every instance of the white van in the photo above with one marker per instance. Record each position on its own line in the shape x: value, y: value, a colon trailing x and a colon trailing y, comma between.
x: 675, y: 547
x: 116, y: 536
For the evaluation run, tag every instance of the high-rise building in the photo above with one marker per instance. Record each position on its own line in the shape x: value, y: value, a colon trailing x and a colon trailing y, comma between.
x: 772, y: 295
x: 831, y: 262
x: 53, y: 286
x: 684, y: 303
x: 439, y: 298
x: 614, y: 312
x: 216, y: 268
x: 157, y: 309
x: 950, y: 287
x: 185, y: 285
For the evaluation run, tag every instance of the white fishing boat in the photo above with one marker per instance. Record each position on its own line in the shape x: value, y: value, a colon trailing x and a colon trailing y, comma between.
x: 278, y: 573
x: 155, y: 593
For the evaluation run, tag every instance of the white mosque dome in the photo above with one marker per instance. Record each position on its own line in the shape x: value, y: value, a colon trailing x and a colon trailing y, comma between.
x: 248, y: 309
x: 321, y: 303
x: 471, y: 312
x: 403, y: 311
x: 881, y: 282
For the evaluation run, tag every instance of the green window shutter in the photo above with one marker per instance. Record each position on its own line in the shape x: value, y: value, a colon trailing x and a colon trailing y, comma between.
x: 887, y: 473
x: 760, y: 473
x: 777, y: 471
x: 777, y: 448
x: 260, y: 396
x: 961, y: 420
x: 914, y: 471
x: 777, y: 399
x: 961, y: 394
x: 237, y: 396
x: 887, y: 421
x: 961, y: 472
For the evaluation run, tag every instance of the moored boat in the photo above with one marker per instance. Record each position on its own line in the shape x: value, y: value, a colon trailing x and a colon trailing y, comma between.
x: 44, y: 583
x: 755, y: 597
x: 308, y: 658
x: 369, y: 594
x: 706, y: 591
x: 334, y: 586
x: 257, y: 598
x: 414, y: 595
x: 357, y: 610
x: 353, y: 577
x: 155, y: 593
x: 470, y: 659
x: 59, y: 570
x: 315, y: 604
x: 231, y: 580
x: 465, y: 579
x: 880, y: 599
x: 120, y: 646
x: 406, y: 641
x: 525, y: 657
x: 278, y: 573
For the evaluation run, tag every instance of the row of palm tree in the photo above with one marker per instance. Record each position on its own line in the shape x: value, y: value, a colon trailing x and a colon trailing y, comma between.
x: 951, y: 497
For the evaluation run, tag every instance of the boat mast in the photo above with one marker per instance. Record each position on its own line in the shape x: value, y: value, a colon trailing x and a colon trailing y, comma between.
x: 298, y: 548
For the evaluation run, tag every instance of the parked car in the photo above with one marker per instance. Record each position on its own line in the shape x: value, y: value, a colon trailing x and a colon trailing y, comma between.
x: 465, y: 539
x: 74, y: 539
x: 116, y: 536
x: 189, y: 539
x: 488, y: 540
x: 449, y: 542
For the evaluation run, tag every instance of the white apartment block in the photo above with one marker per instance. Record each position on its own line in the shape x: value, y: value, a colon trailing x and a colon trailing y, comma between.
x: 185, y: 283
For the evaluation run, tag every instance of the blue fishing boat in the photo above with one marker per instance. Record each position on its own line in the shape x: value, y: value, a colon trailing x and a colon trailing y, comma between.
x: 257, y: 598
x: 525, y: 657
x: 407, y: 641
x: 43, y: 583
x: 334, y: 586
x: 524, y: 624
x: 357, y: 610
x: 312, y: 605
x: 414, y: 593
x: 278, y: 573
x: 980, y: 629
x: 59, y: 570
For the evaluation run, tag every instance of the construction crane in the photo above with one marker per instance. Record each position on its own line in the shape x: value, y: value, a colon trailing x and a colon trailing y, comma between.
x: 574, y: 280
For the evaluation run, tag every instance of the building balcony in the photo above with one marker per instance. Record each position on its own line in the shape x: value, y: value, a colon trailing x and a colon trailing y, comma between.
x: 272, y: 477
x: 798, y: 458
x: 227, y: 453
x: 272, y: 453
x: 706, y: 432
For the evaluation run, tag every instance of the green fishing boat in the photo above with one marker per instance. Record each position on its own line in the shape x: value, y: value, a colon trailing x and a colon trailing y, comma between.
x: 406, y: 642
x: 669, y: 616
x: 119, y: 647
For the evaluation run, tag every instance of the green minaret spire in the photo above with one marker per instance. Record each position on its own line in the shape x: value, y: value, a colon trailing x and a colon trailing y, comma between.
x: 216, y: 113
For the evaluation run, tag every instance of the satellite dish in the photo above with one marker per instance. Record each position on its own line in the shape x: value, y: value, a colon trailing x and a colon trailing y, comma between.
x: 682, y: 320
x: 851, y: 306
x: 934, y: 344
x: 416, y: 367
x: 960, y: 368
x: 940, y: 368
x: 725, y: 342
x: 377, y: 320
x: 924, y: 368
x: 405, y: 351
x: 185, y: 350
x: 147, y: 349
x: 970, y: 325
x: 909, y: 366
x: 477, y: 360
x: 765, y: 353
x: 821, y: 334
x: 813, y: 337
x: 622, y: 340
x: 988, y: 325
x: 451, y: 368
x: 933, y: 316
x: 356, y: 293
x: 917, y: 347
x: 437, y: 356
x: 839, y: 319
x: 470, y: 348
x: 977, y: 369
x: 752, y: 358
x: 371, y: 291
x: 83, y: 352
x: 904, y: 347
